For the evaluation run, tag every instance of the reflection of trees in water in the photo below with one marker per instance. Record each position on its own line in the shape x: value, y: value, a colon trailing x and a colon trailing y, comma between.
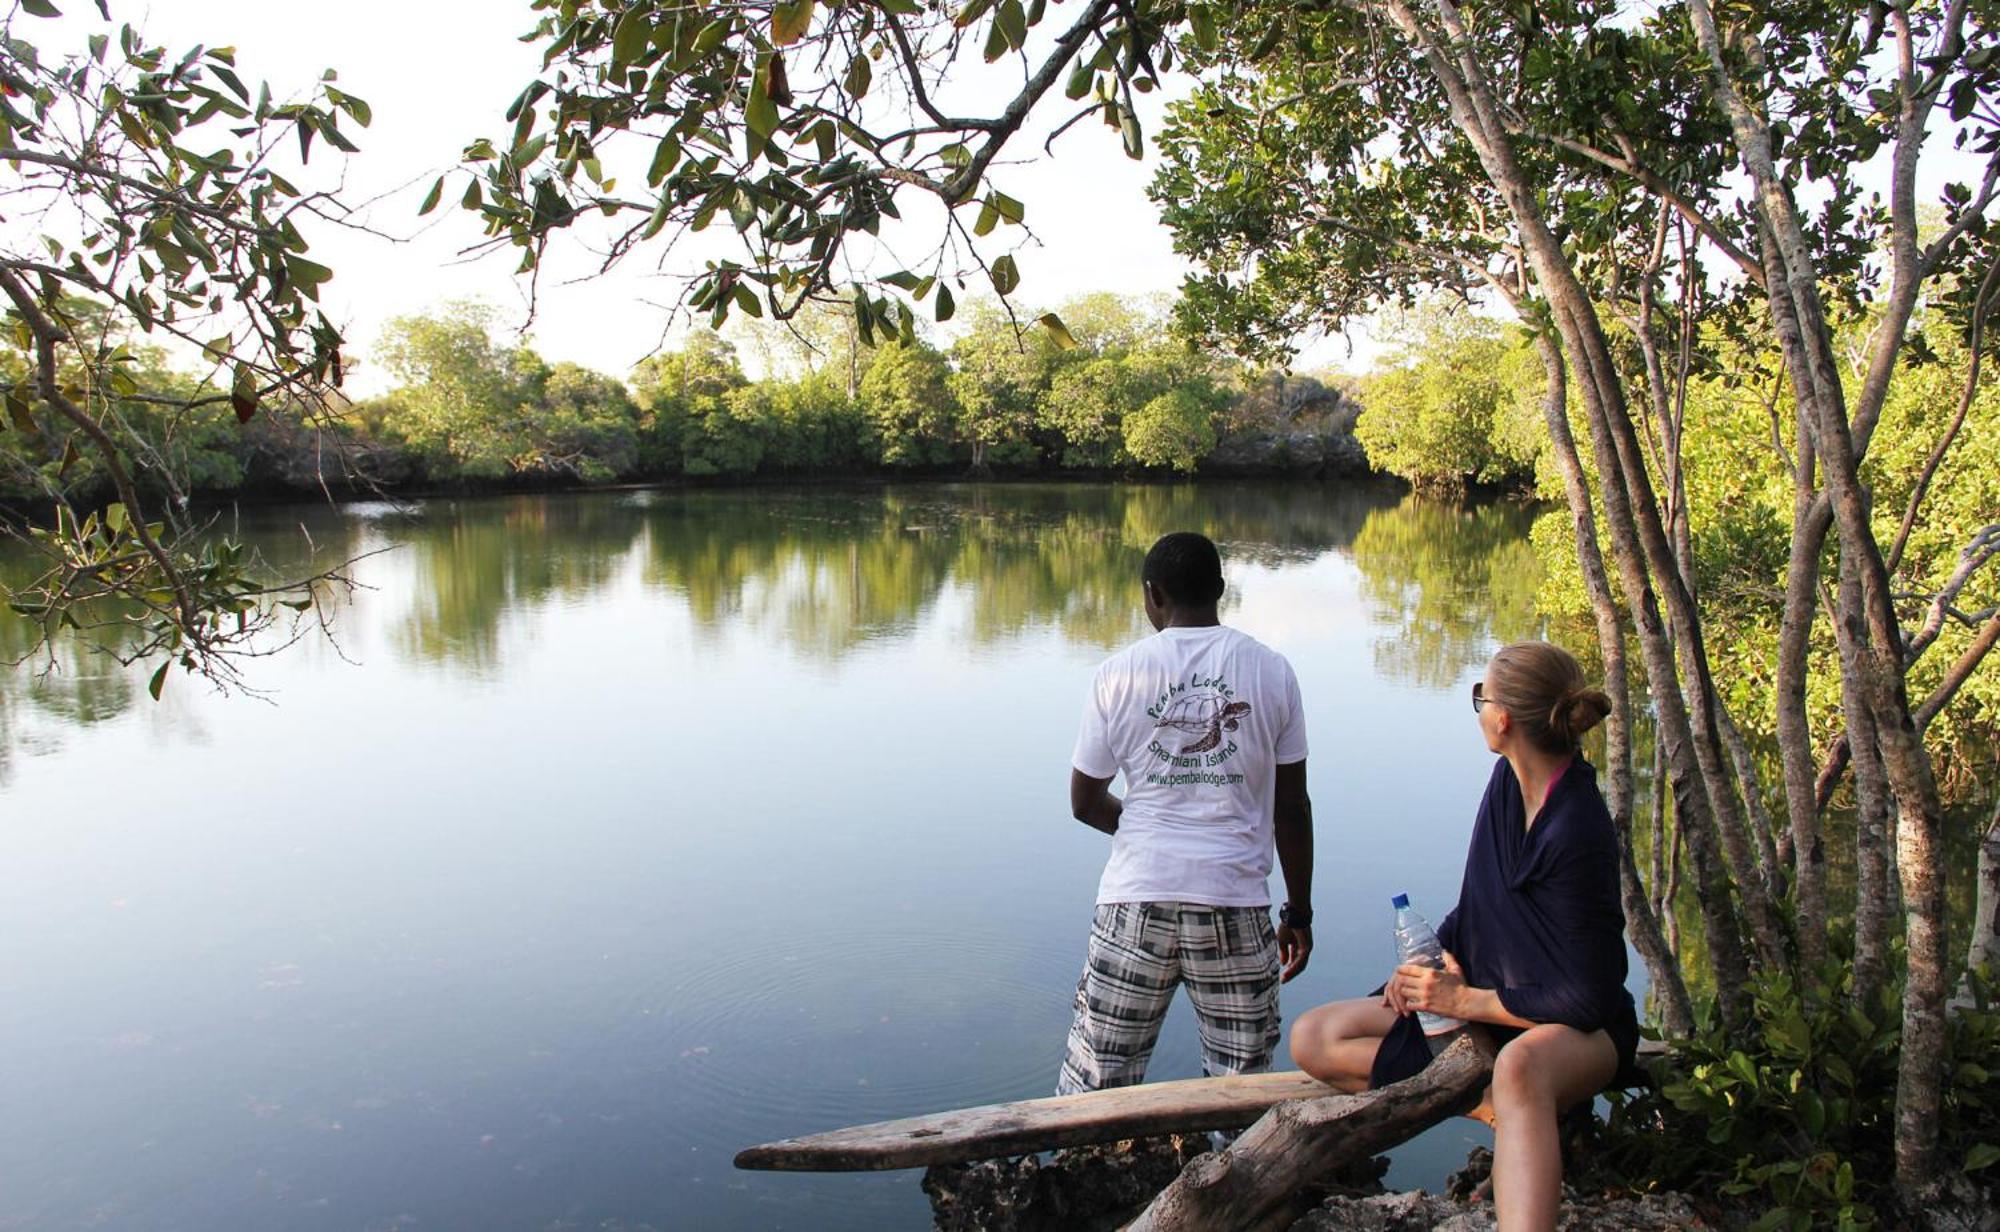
x: 824, y: 570
x: 1451, y: 580
x: 473, y: 561
x: 828, y: 570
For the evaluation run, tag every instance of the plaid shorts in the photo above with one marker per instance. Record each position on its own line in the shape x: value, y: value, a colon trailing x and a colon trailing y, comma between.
x: 1139, y: 952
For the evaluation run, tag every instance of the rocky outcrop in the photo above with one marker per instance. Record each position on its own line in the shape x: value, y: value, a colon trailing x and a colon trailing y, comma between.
x: 1078, y: 1190
x: 1088, y: 1189
x: 1422, y: 1212
x: 1293, y: 425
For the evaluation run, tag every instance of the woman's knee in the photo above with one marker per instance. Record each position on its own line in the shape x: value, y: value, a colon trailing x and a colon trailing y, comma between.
x: 1310, y: 1037
x: 1520, y: 1078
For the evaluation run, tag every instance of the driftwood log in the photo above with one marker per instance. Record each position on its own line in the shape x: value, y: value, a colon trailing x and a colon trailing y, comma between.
x: 1260, y: 1181
x: 1023, y: 1126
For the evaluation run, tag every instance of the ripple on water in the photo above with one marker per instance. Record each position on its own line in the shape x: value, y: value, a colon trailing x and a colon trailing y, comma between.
x: 781, y: 1041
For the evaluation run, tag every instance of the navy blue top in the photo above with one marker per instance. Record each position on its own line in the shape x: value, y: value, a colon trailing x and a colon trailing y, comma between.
x: 1538, y: 919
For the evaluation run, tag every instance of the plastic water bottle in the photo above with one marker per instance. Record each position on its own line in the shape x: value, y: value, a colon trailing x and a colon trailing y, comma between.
x: 1417, y: 942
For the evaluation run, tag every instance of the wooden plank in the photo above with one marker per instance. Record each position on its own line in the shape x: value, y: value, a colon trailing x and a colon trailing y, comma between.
x: 997, y: 1130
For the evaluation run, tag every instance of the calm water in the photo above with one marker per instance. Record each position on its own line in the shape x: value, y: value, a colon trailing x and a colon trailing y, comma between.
x: 615, y: 833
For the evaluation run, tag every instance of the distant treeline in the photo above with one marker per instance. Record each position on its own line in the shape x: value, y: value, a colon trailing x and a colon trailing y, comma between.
x: 470, y: 409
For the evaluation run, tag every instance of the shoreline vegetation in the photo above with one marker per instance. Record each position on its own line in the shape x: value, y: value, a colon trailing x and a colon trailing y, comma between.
x: 1125, y: 400
x: 470, y: 413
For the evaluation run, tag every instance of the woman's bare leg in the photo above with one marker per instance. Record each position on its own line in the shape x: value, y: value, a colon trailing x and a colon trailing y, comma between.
x: 1336, y: 1043
x: 1538, y: 1074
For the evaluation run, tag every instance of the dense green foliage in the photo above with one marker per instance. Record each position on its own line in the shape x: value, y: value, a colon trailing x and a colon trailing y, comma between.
x: 471, y: 409
x: 1792, y: 1113
x: 1456, y: 403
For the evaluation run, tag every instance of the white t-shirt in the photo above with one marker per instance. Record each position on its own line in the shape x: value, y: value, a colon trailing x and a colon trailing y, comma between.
x: 1197, y: 720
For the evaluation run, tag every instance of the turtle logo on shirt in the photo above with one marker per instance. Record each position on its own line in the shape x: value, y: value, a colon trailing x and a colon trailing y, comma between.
x: 1205, y: 714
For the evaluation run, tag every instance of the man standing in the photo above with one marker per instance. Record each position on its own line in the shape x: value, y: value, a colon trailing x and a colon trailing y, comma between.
x: 1206, y: 725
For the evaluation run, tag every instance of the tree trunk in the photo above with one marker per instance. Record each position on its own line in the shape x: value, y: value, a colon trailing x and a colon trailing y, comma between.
x: 1575, y: 314
x: 1811, y: 517
x: 1984, y: 948
x: 1669, y: 989
x: 1761, y: 826
x: 1796, y: 306
x: 1874, y: 903
x: 1259, y: 1182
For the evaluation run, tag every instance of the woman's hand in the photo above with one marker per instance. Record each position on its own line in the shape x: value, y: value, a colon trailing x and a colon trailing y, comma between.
x: 1416, y: 987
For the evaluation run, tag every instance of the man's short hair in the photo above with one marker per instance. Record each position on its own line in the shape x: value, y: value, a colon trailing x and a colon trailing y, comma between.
x: 1186, y: 567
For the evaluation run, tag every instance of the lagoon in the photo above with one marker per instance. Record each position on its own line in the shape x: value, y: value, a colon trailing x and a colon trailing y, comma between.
x: 614, y: 832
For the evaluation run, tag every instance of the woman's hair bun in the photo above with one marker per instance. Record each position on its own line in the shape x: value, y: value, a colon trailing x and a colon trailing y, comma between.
x: 1578, y: 712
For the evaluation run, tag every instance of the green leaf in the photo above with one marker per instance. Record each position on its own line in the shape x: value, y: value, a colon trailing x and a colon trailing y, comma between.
x: 1135, y: 142
x: 159, y: 680
x: 116, y: 518
x: 789, y: 22
x: 760, y: 113
x: 307, y: 275
x: 471, y: 199
x: 1012, y: 21
x: 1982, y: 1155
x: 989, y: 218
x: 41, y: 8
x: 1057, y: 330
x: 1009, y: 209
x: 859, y: 74
x: 431, y: 198
x: 1202, y: 18
x: 996, y: 42
x: 711, y: 36
x: 864, y: 317
x: 973, y: 11
x: 1080, y: 78
x: 946, y: 306
x: 1005, y: 276
x: 666, y: 156
x: 631, y: 36
x: 1269, y: 42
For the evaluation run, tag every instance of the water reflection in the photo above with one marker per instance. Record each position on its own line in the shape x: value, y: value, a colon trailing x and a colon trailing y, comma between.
x: 1449, y: 581
x: 824, y: 571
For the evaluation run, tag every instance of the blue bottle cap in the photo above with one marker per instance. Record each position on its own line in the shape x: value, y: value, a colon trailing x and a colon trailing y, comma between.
x: 1400, y: 901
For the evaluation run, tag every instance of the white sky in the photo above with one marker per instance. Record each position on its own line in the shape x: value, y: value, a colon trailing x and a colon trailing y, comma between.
x: 440, y: 73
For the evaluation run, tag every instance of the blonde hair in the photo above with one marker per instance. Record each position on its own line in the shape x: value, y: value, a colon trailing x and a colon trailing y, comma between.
x: 1543, y: 689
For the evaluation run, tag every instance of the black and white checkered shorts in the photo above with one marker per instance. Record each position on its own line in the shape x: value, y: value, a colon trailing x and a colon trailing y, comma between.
x: 1139, y: 952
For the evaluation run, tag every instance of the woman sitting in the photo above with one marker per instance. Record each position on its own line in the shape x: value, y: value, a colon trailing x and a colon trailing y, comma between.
x: 1536, y: 944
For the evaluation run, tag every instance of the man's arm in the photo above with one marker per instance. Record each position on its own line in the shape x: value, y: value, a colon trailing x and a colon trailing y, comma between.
x: 1092, y: 803
x: 1292, y: 818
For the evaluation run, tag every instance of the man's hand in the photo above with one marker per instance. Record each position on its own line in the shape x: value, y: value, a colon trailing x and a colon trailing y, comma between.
x: 1295, y: 946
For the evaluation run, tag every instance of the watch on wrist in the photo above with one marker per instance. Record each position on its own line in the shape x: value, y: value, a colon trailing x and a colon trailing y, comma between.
x: 1295, y: 917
